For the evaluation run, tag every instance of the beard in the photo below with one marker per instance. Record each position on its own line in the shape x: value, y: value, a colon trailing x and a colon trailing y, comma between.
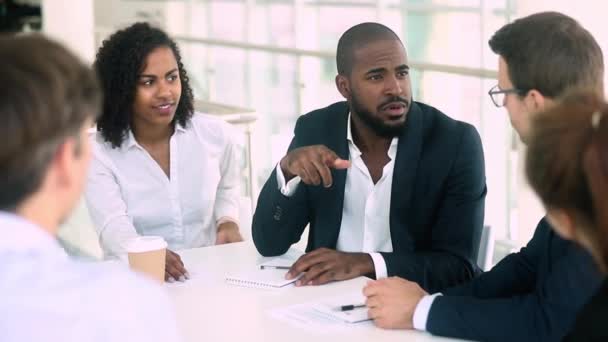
x: 374, y: 122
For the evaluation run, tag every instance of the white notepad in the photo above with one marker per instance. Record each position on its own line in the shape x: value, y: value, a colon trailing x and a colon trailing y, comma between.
x: 258, y: 278
x: 270, y: 278
x: 331, y: 308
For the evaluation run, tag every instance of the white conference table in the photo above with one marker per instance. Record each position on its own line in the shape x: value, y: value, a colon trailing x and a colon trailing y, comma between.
x: 209, y: 309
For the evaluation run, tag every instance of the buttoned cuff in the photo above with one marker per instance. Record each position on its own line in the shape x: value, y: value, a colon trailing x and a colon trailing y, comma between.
x: 379, y: 265
x: 290, y: 188
x: 421, y: 313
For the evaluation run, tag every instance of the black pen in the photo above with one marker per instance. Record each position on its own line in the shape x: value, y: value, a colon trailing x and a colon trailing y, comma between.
x: 350, y: 307
x: 270, y: 267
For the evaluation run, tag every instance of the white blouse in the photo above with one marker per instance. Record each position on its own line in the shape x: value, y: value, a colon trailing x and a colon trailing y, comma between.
x: 128, y: 194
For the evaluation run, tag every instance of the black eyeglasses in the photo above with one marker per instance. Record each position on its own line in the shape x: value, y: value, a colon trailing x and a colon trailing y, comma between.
x: 498, y: 95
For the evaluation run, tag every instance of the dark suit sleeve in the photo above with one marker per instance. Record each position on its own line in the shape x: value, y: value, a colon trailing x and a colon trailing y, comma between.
x: 279, y: 220
x: 515, y: 274
x: 511, y: 311
x: 459, y: 218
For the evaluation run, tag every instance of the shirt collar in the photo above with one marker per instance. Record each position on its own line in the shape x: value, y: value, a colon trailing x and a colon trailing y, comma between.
x: 19, y: 234
x: 392, y: 150
x: 131, y: 142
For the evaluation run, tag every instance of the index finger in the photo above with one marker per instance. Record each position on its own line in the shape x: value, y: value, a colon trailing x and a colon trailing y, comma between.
x: 175, y: 256
x: 341, y: 164
x: 176, y: 262
x: 331, y: 159
x: 173, y: 271
x: 329, y: 156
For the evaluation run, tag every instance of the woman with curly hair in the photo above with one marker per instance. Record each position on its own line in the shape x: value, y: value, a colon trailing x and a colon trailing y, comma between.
x: 159, y: 168
x: 567, y: 166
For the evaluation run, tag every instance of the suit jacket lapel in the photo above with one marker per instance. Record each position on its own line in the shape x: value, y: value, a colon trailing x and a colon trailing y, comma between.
x: 335, y: 195
x: 404, y: 175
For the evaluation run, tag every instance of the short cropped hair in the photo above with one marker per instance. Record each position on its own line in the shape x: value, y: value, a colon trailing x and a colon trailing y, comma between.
x: 357, y: 37
x: 46, y: 97
x: 550, y: 52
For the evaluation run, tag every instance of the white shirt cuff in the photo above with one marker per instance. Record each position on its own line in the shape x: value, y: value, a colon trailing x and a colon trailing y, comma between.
x: 290, y: 188
x: 379, y: 265
x: 421, y: 314
x: 225, y: 219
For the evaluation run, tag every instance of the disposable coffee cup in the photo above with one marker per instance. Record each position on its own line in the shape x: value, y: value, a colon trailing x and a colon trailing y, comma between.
x: 147, y: 255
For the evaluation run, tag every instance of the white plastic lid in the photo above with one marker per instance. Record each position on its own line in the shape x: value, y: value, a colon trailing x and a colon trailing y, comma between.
x: 146, y: 243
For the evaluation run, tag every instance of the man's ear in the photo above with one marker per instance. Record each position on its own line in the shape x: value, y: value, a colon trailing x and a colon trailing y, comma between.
x: 535, y: 101
x: 343, y: 86
x: 64, y: 160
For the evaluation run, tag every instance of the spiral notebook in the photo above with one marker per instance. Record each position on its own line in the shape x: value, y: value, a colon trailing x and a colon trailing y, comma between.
x: 271, y: 277
x: 261, y: 278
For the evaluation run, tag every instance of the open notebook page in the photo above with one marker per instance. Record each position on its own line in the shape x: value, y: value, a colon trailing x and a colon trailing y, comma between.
x: 267, y: 277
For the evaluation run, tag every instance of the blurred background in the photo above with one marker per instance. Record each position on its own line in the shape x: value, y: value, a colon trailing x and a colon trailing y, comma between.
x: 260, y: 64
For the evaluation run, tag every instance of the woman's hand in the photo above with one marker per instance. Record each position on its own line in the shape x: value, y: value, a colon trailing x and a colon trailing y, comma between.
x: 174, y: 268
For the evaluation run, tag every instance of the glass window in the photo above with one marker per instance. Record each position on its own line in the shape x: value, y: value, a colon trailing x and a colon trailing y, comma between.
x: 273, y: 24
x: 228, y: 20
x: 281, y: 85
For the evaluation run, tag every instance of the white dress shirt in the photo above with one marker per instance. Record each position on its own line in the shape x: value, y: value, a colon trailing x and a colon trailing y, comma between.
x: 365, y: 223
x: 128, y: 194
x: 421, y: 313
x: 46, y: 296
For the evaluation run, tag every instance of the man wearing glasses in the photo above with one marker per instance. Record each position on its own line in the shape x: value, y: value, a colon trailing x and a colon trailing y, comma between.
x: 498, y: 95
x: 535, y: 294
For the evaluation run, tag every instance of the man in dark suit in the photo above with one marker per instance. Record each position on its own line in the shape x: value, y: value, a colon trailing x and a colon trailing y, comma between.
x: 390, y: 186
x: 535, y: 294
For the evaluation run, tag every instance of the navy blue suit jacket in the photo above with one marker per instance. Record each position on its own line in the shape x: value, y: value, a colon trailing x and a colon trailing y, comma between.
x: 591, y: 321
x: 532, y: 295
x: 437, y: 198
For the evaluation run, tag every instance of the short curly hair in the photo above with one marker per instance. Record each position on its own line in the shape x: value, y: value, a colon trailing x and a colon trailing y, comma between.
x: 118, y: 64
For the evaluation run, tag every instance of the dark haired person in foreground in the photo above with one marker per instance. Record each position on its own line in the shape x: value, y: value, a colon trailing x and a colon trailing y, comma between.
x: 535, y: 294
x: 49, y: 100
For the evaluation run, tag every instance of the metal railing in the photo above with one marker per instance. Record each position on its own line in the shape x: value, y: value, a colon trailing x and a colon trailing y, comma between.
x: 101, y: 33
x: 298, y: 53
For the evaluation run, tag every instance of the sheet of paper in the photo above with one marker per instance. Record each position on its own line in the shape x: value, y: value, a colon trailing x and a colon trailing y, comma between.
x: 332, y: 307
x: 307, y: 316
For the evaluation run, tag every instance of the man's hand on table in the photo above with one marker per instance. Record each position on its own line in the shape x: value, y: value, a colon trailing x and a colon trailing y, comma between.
x: 324, y: 265
x: 392, y: 302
